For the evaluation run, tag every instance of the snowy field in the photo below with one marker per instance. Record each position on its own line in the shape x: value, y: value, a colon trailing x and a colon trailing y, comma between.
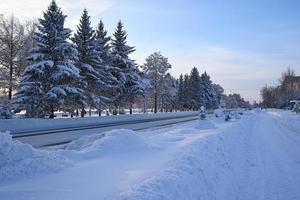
x: 255, y: 157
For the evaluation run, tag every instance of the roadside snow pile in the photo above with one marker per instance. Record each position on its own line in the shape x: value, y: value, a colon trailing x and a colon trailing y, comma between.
x: 199, y: 171
x: 289, y: 119
x: 22, y: 160
x: 115, y: 141
x: 84, y: 142
x: 205, y: 124
x: 219, y: 112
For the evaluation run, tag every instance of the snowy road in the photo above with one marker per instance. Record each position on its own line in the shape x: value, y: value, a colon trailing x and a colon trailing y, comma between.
x: 256, y: 157
x: 276, y: 150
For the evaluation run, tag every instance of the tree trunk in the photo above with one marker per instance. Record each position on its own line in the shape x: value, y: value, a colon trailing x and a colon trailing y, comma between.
x: 10, y: 83
x: 51, y: 116
x: 82, y: 112
x: 145, y: 107
x: 155, y: 102
x: 130, y: 109
x: 10, y: 72
x: 77, y: 113
x: 115, y: 111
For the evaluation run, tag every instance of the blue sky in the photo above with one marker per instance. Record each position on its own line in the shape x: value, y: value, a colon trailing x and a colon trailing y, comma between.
x: 243, y: 45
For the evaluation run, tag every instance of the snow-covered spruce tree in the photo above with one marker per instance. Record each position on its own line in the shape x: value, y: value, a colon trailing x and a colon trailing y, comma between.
x: 125, y: 70
x: 102, y: 45
x: 186, y: 92
x: 135, y: 86
x: 84, y: 40
x: 169, y: 88
x: 155, y: 68
x: 108, y: 83
x: 195, y: 90
x: 180, y: 93
x: 51, y: 81
x: 210, y: 98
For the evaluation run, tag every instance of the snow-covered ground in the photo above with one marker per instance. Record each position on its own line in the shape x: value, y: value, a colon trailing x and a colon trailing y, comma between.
x: 255, y: 157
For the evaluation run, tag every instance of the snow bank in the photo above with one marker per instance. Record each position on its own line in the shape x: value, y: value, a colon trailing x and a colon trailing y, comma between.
x: 288, y: 119
x: 198, y: 172
x: 22, y: 160
x: 115, y: 141
x: 219, y: 112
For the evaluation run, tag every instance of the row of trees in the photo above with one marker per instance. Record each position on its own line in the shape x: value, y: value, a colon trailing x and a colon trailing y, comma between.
x: 49, y: 69
x: 280, y: 96
x: 197, y: 90
x: 88, y: 73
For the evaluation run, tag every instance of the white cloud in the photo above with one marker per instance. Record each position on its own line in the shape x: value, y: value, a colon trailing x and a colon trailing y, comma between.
x: 27, y: 10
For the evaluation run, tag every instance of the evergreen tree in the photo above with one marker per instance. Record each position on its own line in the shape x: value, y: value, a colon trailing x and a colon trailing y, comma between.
x: 134, y: 87
x: 186, y: 92
x: 51, y: 81
x: 195, y: 89
x: 210, y: 99
x: 84, y: 39
x: 102, y: 44
x: 180, y: 93
x: 108, y: 83
x: 125, y: 70
x: 168, y: 92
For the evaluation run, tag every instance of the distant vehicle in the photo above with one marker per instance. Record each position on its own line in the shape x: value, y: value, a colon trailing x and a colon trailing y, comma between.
x: 295, y: 105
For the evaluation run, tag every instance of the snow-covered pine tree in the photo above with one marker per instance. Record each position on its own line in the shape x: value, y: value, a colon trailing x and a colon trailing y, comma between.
x: 134, y: 86
x: 51, y: 81
x: 195, y: 89
x: 125, y: 71
x: 186, y: 92
x: 180, y: 93
x: 84, y: 40
x: 102, y: 45
x: 108, y: 84
x: 210, y: 99
x: 169, y: 89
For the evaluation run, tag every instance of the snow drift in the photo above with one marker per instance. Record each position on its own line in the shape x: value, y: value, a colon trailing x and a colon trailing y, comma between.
x: 22, y: 160
x: 199, y: 170
x: 115, y: 141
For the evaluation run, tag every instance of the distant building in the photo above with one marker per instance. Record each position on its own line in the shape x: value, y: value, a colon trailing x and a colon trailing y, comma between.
x: 296, y: 82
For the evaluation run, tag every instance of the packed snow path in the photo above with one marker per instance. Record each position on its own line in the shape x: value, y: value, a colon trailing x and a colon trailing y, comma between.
x: 256, y: 157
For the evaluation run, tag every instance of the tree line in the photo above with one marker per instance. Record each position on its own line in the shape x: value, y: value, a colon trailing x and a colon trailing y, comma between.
x: 279, y: 96
x: 44, y: 68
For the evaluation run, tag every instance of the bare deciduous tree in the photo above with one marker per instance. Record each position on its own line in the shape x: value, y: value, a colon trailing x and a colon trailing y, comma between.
x: 15, y: 42
x: 11, y: 43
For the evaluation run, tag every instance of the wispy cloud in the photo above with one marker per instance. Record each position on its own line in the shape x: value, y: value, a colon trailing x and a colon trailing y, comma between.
x: 28, y: 10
